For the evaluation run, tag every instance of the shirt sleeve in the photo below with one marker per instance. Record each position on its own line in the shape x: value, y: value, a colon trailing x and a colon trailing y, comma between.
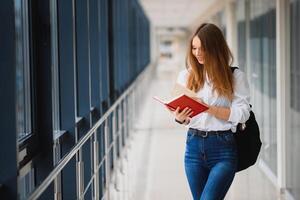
x: 182, y: 77
x: 240, y: 107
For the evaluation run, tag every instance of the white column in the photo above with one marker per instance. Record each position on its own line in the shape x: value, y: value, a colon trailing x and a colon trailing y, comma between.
x: 283, y: 87
x: 231, y: 26
x: 247, y: 26
x: 154, y: 44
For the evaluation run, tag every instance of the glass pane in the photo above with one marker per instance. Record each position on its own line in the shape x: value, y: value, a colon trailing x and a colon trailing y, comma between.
x: 241, y: 34
x: 263, y: 75
x: 20, y: 104
x: 293, y: 138
x: 23, y: 107
x: 26, y: 185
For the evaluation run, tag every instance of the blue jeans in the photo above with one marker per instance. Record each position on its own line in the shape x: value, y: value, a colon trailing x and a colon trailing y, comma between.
x: 210, y: 164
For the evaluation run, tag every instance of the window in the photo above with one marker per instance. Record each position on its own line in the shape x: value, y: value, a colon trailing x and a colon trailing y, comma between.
x: 293, y: 137
x: 263, y: 75
x: 23, y: 91
x: 23, y: 96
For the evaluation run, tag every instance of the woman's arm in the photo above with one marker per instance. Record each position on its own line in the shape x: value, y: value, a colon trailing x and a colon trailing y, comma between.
x: 238, y: 112
x: 219, y: 112
x: 216, y: 111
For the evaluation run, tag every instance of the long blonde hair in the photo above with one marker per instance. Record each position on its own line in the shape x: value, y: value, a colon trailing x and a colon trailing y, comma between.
x: 217, y: 61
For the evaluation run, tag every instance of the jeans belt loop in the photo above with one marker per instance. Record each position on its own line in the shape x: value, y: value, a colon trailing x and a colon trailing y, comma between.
x: 206, y: 134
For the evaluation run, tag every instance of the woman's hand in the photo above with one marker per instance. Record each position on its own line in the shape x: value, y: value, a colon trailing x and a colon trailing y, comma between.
x: 184, y: 115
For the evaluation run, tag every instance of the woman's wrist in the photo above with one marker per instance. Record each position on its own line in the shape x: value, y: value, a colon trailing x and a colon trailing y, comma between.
x: 186, y: 121
x: 216, y: 111
x: 179, y: 121
x: 213, y: 110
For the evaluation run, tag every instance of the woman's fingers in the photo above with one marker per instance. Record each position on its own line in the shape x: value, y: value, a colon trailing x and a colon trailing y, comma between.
x: 186, y: 112
x: 177, y: 110
x: 190, y: 113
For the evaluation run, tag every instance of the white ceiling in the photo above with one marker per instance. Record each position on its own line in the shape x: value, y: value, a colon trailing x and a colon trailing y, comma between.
x: 175, y: 13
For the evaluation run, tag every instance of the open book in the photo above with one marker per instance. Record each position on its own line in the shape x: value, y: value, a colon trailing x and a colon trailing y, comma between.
x: 180, y: 89
x: 184, y: 101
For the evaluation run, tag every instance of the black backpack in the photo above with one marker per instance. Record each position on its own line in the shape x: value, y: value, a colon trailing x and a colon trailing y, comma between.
x: 247, y: 140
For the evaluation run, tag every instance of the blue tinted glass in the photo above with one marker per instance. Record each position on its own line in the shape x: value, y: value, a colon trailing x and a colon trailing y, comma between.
x: 20, y: 91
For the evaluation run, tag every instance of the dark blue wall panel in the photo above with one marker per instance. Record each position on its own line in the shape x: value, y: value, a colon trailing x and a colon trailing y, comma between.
x: 66, y: 65
x: 67, y: 62
x: 82, y: 58
x: 94, y: 34
x: 8, y: 148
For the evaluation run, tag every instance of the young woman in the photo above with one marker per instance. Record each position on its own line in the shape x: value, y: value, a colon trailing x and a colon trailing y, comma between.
x: 211, y: 155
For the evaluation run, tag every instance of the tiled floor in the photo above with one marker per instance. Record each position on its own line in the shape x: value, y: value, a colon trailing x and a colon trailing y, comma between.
x: 162, y: 176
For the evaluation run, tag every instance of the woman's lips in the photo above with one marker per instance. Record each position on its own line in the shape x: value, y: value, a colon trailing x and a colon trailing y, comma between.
x: 200, y: 60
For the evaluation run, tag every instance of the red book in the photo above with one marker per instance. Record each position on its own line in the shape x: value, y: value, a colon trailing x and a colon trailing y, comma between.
x: 182, y: 102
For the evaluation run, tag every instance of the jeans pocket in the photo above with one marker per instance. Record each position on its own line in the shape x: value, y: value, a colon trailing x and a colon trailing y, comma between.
x: 226, y: 138
x: 189, y: 136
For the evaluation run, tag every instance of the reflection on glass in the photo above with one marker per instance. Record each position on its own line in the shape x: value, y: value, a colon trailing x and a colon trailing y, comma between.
x: 20, y: 104
x: 263, y: 75
x: 241, y: 34
x: 293, y: 137
x: 22, y: 70
x: 23, y: 100
x: 26, y: 185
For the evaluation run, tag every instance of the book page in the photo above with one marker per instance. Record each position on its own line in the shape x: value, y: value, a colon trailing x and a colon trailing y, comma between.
x: 159, y: 99
x: 180, y: 89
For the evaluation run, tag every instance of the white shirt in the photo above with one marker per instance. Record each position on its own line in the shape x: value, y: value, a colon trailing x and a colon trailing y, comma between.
x: 239, y: 107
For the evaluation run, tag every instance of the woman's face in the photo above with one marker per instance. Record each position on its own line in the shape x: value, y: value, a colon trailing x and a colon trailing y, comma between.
x: 197, y: 50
